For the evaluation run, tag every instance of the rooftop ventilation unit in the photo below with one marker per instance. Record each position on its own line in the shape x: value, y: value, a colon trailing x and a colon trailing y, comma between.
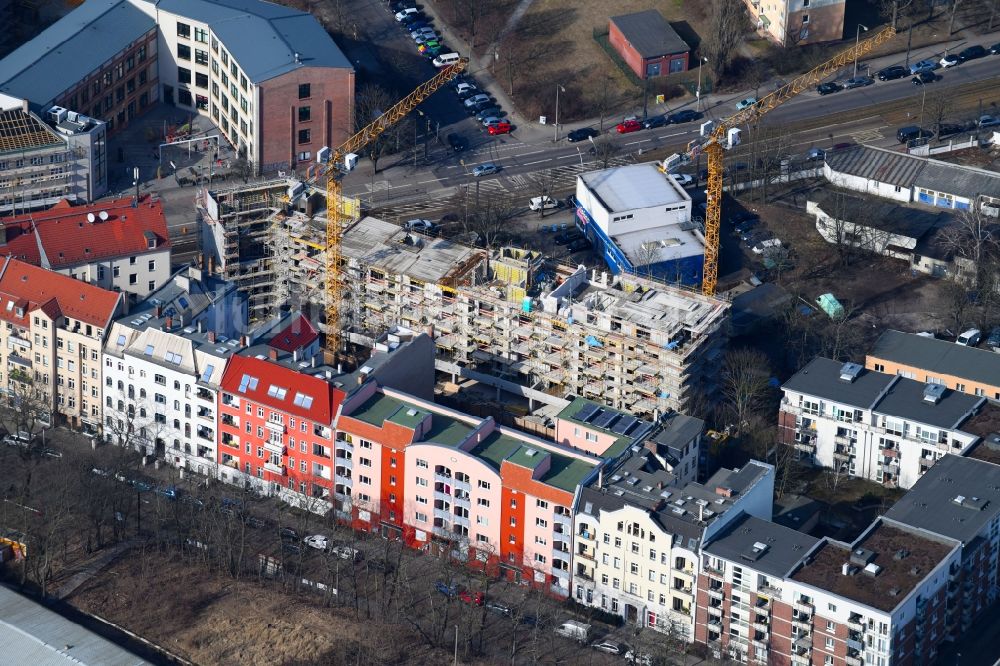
x: 872, y: 569
x: 933, y: 393
x: 849, y: 372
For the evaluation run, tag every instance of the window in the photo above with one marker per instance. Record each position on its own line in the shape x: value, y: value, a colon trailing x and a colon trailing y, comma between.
x: 591, y: 436
x: 304, y: 136
x: 304, y: 114
x: 201, y: 80
x: 481, y: 501
x: 829, y: 643
x: 183, y: 51
x: 305, y: 90
x: 805, y: 19
x: 201, y: 35
x: 183, y: 30
x: 541, y: 523
x: 421, y: 517
x: 485, y: 485
x: 541, y: 504
x: 420, y: 481
x: 183, y: 75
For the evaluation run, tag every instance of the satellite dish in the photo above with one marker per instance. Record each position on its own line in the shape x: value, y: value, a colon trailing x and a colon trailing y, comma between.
x: 103, y: 215
x: 91, y: 218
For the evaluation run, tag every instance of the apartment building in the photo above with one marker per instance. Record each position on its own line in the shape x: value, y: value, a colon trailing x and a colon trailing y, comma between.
x: 451, y: 483
x: 49, y: 156
x: 674, y: 439
x: 239, y: 62
x: 51, y: 343
x: 798, y: 22
x: 959, y: 498
x: 638, y: 535
x: 163, y: 366
x: 770, y: 595
x: 116, y: 244
x: 277, y: 409
x: 927, y: 359
x: 636, y: 345
x: 881, y: 427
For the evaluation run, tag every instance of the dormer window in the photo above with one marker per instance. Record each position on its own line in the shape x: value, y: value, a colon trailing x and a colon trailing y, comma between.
x: 150, y: 239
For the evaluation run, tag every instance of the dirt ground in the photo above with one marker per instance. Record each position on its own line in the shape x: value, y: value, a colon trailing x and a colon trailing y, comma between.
x: 212, y: 620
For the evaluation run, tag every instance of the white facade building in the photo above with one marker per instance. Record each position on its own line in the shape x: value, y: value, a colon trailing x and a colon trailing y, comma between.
x: 885, y: 428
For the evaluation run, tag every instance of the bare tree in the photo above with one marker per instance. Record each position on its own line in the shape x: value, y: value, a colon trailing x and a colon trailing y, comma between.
x: 605, y: 150
x: 976, y: 240
x: 605, y: 98
x: 491, y: 220
x: 371, y: 101
x: 936, y: 107
x: 745, y: 375
x: 727, y: 24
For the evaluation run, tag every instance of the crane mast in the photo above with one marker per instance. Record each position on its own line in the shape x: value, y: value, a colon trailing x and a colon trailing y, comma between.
x: 340, y: 162
x: 719, y: 139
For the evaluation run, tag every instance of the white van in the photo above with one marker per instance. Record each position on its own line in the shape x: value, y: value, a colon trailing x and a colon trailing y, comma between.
x: 446, y: 59
x: 970, y: 338
x: 539, y: 203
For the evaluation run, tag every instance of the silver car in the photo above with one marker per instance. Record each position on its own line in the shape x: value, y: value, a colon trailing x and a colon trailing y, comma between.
x: 485, y: 169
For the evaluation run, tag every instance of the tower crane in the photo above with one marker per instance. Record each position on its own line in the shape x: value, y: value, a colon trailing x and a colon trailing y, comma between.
x: 719, y: 136
x: 340, y: 161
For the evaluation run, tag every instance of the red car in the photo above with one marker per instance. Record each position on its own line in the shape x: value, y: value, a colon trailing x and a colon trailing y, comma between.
x: 468, y: 597
x: 502, y: 127
x: 628, y: 126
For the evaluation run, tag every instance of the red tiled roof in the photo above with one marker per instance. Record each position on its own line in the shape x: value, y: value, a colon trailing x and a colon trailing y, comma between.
x: 325, y: 397
x: 32, y: 288
x: 69, y: 239
x: 300, y: 333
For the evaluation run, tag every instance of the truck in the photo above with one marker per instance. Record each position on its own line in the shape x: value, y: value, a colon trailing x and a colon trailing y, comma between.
x: 577, y: 631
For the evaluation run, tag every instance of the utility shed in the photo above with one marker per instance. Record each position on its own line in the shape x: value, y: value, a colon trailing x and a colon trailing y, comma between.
x: 648, y: 44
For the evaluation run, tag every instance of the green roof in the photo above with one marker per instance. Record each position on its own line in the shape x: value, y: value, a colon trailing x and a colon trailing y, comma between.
x: 376, y: 409
x: 496, y: 448
x: 566, y: 473
x: 405, y: 418
x: 447, y: 431
x: 527, y: 456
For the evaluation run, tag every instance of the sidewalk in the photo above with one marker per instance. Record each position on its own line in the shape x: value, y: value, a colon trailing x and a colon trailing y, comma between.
x: 92, y: 567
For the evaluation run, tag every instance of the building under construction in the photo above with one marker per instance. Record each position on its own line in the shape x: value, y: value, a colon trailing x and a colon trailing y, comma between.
x: 631, y: 343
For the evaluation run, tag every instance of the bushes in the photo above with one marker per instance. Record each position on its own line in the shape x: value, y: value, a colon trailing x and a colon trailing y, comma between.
x: 594, y: 614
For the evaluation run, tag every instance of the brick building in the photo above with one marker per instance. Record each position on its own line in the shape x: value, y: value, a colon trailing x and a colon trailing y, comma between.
x: 648, y: 44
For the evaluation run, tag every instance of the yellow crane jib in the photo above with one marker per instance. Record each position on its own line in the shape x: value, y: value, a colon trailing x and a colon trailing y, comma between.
x: 722, y: 135
x: 341, y: 160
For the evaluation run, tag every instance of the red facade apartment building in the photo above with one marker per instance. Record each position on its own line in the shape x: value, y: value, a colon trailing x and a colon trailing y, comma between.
x: 275, y: 424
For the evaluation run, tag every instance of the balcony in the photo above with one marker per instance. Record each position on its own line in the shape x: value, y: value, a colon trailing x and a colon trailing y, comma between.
x: 586, y: 534
x: 459, y: 484
x: 206, y: 434
x: 206, y: 414
x: 802, y: 621
x: 853, y: 658
x: 805, y: 447
x: 275, y: 427
x: 715, y: 611
x: 586, y: 555
x: 714, y: 625
x: 761, y: 626
x: 927, y: 463
x: 855, y: 623
x: 891, y: 453
x: 801, y: 659
x: 762, y: 603
x: 686, y: 589
x: 275, y: 469
x: 444, y: 497
x: 229, y: 420
x: 274, y: 447
x: 205, y: 394
x: 15, y: 360
x: 716, y: 593
x: 803, y: 643
x: 841, y: 454
x: 803, y: 607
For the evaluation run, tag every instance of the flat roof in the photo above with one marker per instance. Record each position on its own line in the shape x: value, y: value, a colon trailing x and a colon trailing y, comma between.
x: 820, y: 378
x: 384, y: 245
x: 767, y: 547
x: 931, y: 504
x: 875, y: 213
x: 905, y: 399
x: 622, y: 425
x: 652, y: 246
x: 71, y: 48
x: 650, y: 34
x: 896, y: 578
x: 634, y: 186
x: 937, y: 357
x: 32, y: 634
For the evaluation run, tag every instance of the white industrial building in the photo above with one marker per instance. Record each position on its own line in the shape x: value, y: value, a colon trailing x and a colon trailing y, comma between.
x: 881, y: 427
x: 639, y: 219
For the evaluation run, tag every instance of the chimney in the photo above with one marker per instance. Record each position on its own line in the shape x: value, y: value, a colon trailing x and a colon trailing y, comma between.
x: 701, y: 513
x: 201, y: 326
x: 211, y: 336
x: 272, y: 354
x: 312, y: 361
x: 600, y: 477
x: 170, y: 324
x: 159, y: 310
x: 295, y: 355
x: 244, y: 341
x: 361, y: 378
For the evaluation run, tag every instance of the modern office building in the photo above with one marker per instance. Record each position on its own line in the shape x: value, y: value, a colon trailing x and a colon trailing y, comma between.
x: 269, y: 76
x: 49, y: 156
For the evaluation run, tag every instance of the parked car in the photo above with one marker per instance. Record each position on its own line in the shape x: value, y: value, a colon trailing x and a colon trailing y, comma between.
x: 567, y: 237
x: 828, y: 87
x: 476, y: 99
x: 655, y: 121
x: 742, y: 217
x: 457, y: 142
x: 418, y: 225
x: 972, y: 52
x: 765, y: 245
x: 542, y: 203
x: 488, y: 112
x: 287, y: 534
x: 346, y: 553
x: 743, y: 228
x: 995, y: 49
x: 924, y: 77
x: 464, y: 89
x: 408, y: 14
x: 578, y: 245
x: 502, y: 127
x: 582, y: 134
x: 469, y: 597
x: 422, y: 33
x: 446, y: 59
x: 969, y: 338
x: 815, y: 154
x: 577, y: 631
x: 683, y: 179
x: 639, y: 658
x: 499, y: 608
x: 685, y: 116
x: 489, y: 121
x: 893, y: 72
x: 912, y: 133
x: 430, y: 49
x: 627, y: 126
x: 950, y: 60
x: 170, y: 492
x: 993, y: 341
x: 950, y: 130
x: 445, y: 589
x: 317, y: 541
x: 485, y: 169
x: 859, y: 82
x: 989, y: 121
x: 746, y: 103
x: 480, y: 105
x: 610, y: 647
x: 924, y: 66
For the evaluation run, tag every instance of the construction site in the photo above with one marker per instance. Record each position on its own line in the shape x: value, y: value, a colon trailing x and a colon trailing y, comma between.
x: 512, y: 314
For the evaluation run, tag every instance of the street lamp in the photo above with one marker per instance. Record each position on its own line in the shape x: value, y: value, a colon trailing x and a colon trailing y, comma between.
x: 857, y: 41
x: 556, y: 133
x: 698, y: 93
